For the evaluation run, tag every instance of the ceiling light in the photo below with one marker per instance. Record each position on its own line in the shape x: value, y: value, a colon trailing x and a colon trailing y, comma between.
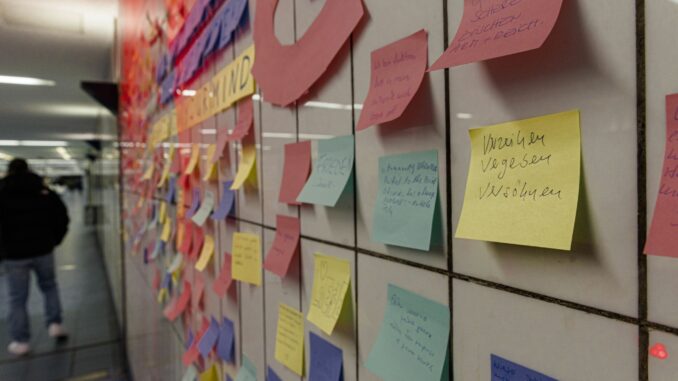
x: 43, y: 143
x: 188, y: 93
x: 463, y: 115
x: 64, y: 153
x: 208, y: 131
x: 9, y: 143
x: 26, y: 81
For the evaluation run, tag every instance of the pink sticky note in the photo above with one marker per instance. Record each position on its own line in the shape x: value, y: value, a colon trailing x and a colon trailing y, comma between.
x: 286, y: 72
x: 397, y: 72
x: 222, y: 141
x: 245, y: 119
x: 187, y: 239
x: 198, y: 240
x: 663, y: 237
x: 284, y: 247
x: 198, y: 293
x: 224, y: 281
x: 496, y: 28
x: 173, y: 310
x: 296, y: 169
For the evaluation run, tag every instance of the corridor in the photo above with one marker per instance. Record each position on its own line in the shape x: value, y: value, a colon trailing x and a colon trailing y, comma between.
x: 94, y: 349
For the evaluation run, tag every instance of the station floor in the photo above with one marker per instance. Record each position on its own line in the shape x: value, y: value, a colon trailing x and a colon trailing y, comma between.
x: 94, y: 349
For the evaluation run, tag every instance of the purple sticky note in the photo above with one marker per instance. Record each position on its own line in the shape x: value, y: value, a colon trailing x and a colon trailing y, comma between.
x: 226, y: 342
x: 171, y: 190
x: 326, y: 360
x: 166, y: 281
x: 228, y: 378
x: 505, y: 370
x: 209, y: 338
x: 226, y: 203
x: 195, y: 203
x: 271, y: 376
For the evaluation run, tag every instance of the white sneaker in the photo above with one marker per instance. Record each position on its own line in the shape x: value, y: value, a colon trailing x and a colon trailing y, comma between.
x: 18, y: 348
x: 57, y: 331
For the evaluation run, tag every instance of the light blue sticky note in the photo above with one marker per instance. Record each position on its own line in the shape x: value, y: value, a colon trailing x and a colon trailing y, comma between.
x: 247, y: 371
x: 412, y: 341
x: 407, y: 199
x: 505, y: 370
x: 332, y: 170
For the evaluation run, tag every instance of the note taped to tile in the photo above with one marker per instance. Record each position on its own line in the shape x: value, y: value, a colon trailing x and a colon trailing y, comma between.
x: 205, y: 209
x: 206, y: 253
x: 523, y: 182
x: 663, y: 236
x: 247, y: 372
x: 407, y: 199
x: 226, y: 341
x: 226, y: 203
x: 289, y: 339
x: 397, y: 71
x: 223, y: 282
x: 506, y: 370
x: 284, y: 246
x: 332, y: 170
x: 326, y: 360
x: 193, y: 162
x: 246, y: 258
x: 496, y: 28
x: 296, y: 169
x: 246, y: 167
x: 412, y: 340
x: 331, y: 280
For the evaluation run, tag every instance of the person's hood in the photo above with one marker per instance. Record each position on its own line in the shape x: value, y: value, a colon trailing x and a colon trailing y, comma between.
x: 22, y: 183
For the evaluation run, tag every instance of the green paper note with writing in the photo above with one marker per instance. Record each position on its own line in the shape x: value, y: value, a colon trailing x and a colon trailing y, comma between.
x: 412, y: 341
x: 523, y: 182
x: 247, y: 371
x: 332, y: 170
x: 407, y: 198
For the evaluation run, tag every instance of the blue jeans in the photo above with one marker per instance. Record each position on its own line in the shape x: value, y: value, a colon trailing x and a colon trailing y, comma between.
x: 19, y: 280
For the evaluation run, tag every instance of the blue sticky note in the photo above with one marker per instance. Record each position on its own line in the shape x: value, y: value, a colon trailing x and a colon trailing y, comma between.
x: 226, y: 342
x: 326, y: 360
x: 189, y: 340
x: 195, y: 203
x: 247, y: 371
x: 272, y: 376
x: 505, y: 370
x: 210, y: 337
x: 171, y: 190
x: 229, y: 19
x: 412, y: 340
x: 226, y: 203
x: 407, y: 199
x: 332, y: 170
x: 228, y: 378
x: 167, y: 282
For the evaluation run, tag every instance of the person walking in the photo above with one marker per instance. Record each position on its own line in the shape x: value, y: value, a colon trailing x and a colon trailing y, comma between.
x: 33, y: 221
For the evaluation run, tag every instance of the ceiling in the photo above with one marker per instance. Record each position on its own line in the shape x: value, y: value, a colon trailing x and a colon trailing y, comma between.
x: 64, y: 41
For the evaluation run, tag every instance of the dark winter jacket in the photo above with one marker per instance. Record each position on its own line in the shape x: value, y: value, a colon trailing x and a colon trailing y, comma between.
x: 33, y: 219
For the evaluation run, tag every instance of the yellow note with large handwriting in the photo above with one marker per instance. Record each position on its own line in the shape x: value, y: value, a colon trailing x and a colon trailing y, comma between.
x: 523, y: 182
x: 248, y: 158
x: 331, y: 278
x: 289, y: 339
x: 195, y: 157
x: 246, y: 258
x: 206, y: 253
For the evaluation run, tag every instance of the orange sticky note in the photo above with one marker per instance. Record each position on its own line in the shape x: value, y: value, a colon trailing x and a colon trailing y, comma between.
x: 663, y: 236
x: 295, y: 171
x: 286, y: 72
x: 284, y: 246
x: 497, y: 28
x: 397, y: 72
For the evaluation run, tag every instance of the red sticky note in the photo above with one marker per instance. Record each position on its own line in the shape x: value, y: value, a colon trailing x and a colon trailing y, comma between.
x: 198, y: 240
x: 663, y: 237
x: 193, y: 352
x: 173, y: 310
x: 284, y: 247
x: 245, y: 119
x: 397, y: 72
x: 286, y: 72
x: 497, y: 28
x: 224, y: 281
x: 185, y: 247
x: 296, y: 169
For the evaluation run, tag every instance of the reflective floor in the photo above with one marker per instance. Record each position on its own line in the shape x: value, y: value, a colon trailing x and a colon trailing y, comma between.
x: 94, y: 348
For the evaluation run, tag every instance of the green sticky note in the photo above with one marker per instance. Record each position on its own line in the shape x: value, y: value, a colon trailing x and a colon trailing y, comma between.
x: 407, y: 200
x: 332, y: 170
x: 412, y: 341
x: 247, y: 371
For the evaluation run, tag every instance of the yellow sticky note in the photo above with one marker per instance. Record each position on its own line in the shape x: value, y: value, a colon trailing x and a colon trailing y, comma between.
x: 289, y: 339
x: 206, y: 253
x: 193, y: 162
x: 166, y: 230
x: 165, y: 175
x: 248, y: 158
x: 211, y: 165
x: 163, y: 212
x: 523, y: 182
x: 211, y: 374
x: 246, y: 258
x: 149, y: 172
x: 331, y: 278
x: 162, y: 295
